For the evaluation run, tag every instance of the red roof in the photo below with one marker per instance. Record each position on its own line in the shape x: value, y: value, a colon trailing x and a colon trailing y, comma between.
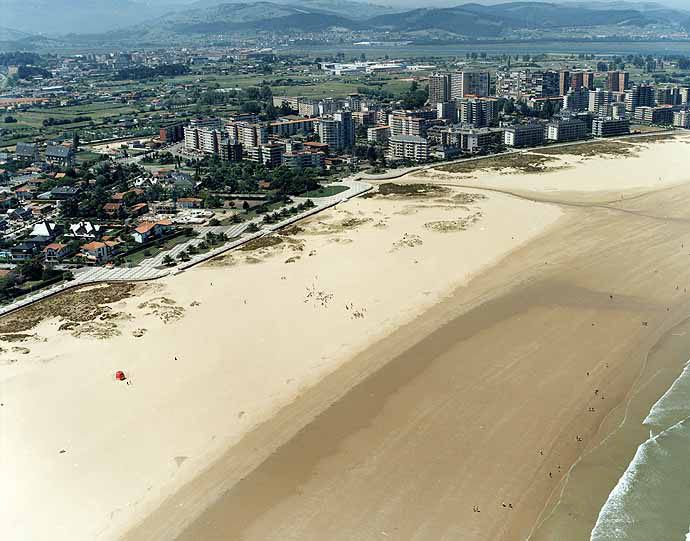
x: 92, y: 246
x: 54, y: 246
x: 144, y: 227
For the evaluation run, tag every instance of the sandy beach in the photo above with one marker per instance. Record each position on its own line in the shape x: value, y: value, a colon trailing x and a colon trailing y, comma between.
x: 385, y: 369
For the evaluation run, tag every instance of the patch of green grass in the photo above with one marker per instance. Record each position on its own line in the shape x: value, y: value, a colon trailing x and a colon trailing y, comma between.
x: 86, y: 156
x: 325, y: 191
x: 136, y: 257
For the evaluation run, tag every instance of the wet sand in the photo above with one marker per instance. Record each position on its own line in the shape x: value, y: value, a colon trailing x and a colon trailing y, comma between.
x: 482, y: 401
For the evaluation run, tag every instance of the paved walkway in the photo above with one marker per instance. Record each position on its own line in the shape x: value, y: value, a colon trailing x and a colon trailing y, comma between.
x: 152, y: 268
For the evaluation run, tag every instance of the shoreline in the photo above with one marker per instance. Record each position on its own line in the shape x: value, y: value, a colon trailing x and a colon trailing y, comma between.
x: 599, y: 468
x: 240, y: 461
x: 222, y: 516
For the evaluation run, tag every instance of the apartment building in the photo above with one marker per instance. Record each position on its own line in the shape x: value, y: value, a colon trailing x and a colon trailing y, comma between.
x: 304, y: 160
x: 526, y: 83
x: 527, y: 135
x: 609, y: 127
x: 408, y: 147
x: 364, y: 118
x: 308, y: 108
x: 599, y: 101
x: 247, y: 133
x: 641, y: 95
x: 198, y: 133
x: 478, y: 112
x: 576, y: 100
x: 469, y: 83
x: 566, y: 130
x: 288, y: 128
x: 439, y: 88
x: 270, y: 155
x: 337, y: 132
x: 407, y: 125
x: 378, y: 134
x: 681, y: 119
x: 171, y: 133
x: 618, y: 81
x: 447, y: 111
x: 654, y: 115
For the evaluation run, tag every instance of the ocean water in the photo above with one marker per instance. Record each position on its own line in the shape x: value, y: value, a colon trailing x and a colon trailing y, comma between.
x: 651, y: 501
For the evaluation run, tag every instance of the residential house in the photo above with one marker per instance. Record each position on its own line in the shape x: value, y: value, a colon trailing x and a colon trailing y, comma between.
x: 60, y: 155
x: 138, y: 209
x: 96, y: 251
x: 189, y: 202
x: 111, y: 209
x: 24, y: 192
x: 147, y: 231
x: 55, y: 252
x: 26, y: 151
x: 119, y: 196
x: 23, y: 251
x: 85, y: 230
x: 46, y: 231
x: 64, y: 192
x: 20, y: 213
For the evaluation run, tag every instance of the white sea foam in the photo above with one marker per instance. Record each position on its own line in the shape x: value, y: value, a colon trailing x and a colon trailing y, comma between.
x: 652, y: 476
x: 673, y: 404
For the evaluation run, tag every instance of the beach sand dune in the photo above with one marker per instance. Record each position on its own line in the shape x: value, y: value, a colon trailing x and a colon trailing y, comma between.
x: 493, y: 406
x: 213, y: 352
x: 410, y: 366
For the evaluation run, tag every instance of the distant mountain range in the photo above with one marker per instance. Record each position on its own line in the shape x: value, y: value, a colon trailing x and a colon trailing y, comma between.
x: 158, y: 21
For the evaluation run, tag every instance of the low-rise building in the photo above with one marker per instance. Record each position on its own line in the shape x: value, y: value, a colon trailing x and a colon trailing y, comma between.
x: 60, y: 155
x: 26, y: 151
x: 56, y: 252
x: 147, y: 231
x: 189, y: 202
x: 96, y: 251
x: 526, y: 135
x: 85, y: 230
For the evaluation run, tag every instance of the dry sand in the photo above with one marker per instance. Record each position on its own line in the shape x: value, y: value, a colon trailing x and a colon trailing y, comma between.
x: 383, y: 377
x: 217, y: 350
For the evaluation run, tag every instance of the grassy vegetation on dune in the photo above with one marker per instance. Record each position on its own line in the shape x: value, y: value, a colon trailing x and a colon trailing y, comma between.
x: 590, y: 150
x: 524, y: 162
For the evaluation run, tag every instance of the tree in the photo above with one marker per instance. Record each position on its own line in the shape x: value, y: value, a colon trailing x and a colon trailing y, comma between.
x: 31, y: 270
x: 168, y: 261
x: 75, y: 141
x: 252, y: 227
x: 10, y: 119
x: 245, y: 206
